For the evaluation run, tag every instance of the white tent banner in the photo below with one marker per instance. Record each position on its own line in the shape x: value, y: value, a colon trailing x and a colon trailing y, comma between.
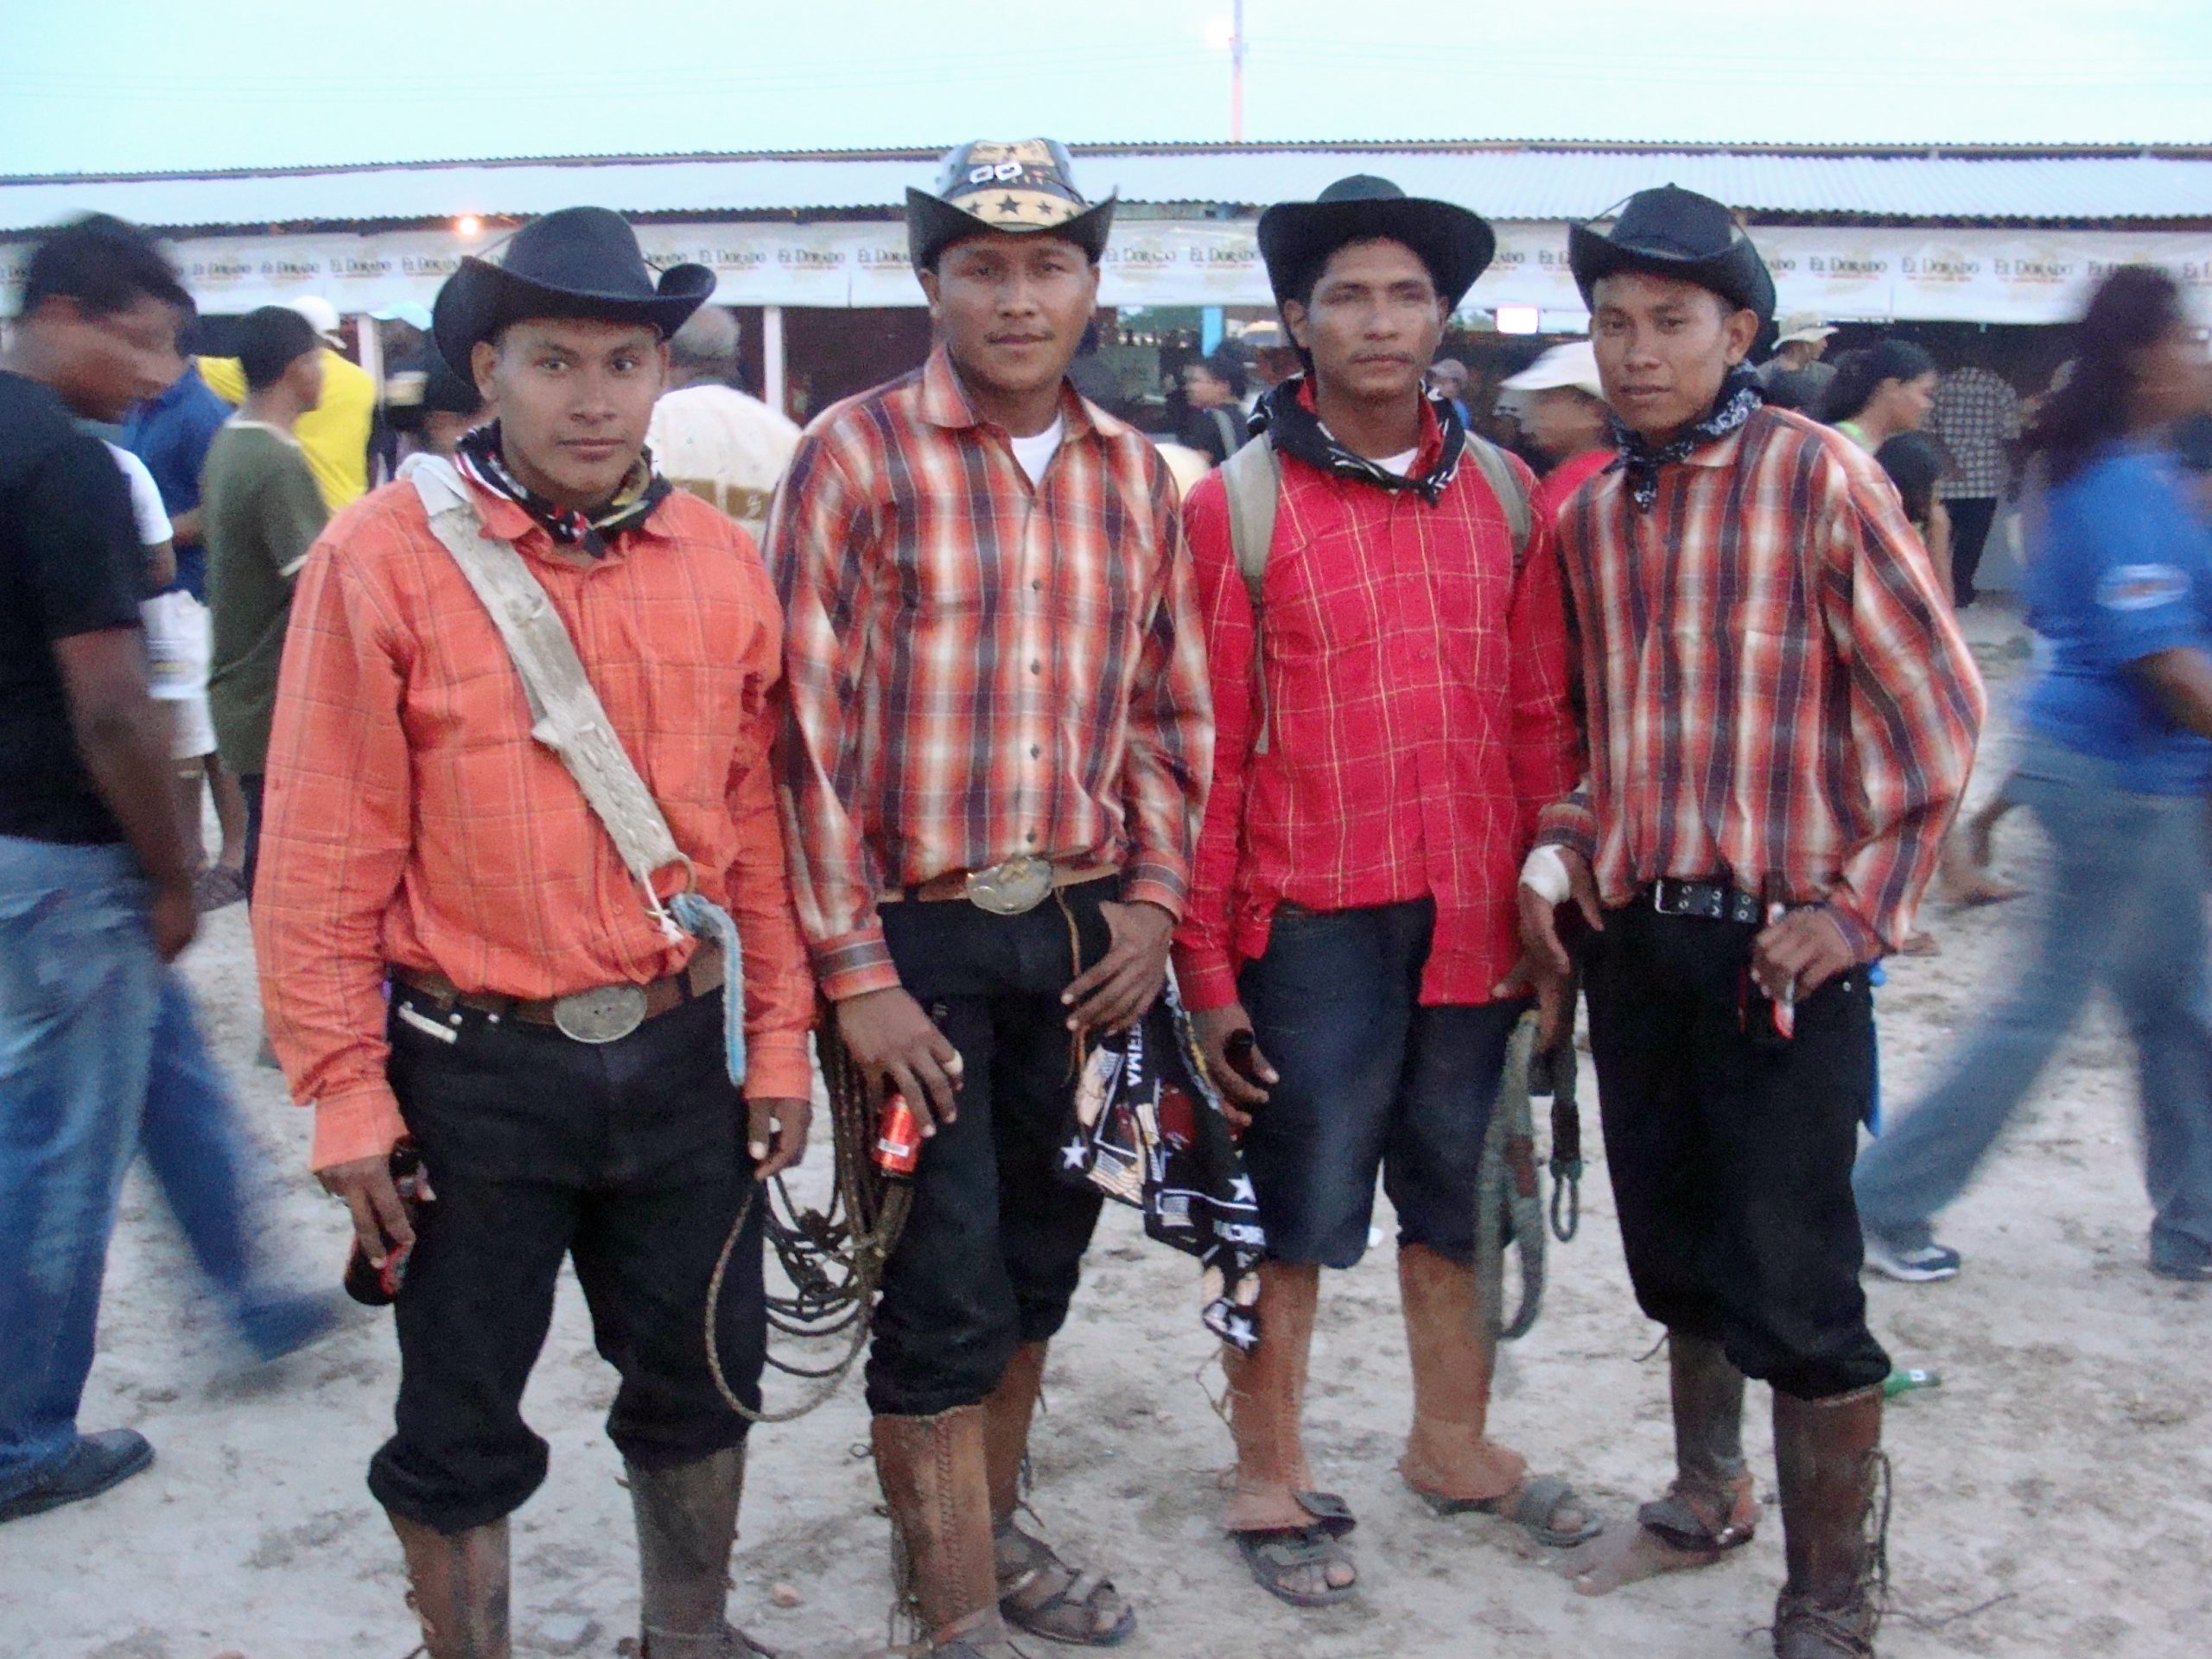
x: 1842, y: 271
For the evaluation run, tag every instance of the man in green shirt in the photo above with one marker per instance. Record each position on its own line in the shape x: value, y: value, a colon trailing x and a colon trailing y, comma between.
x: 260, y: 511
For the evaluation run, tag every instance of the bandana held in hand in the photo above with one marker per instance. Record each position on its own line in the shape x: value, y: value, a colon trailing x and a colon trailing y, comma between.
x: 1739, y: 396
x: 1298, y: 431
x: 641, y: 492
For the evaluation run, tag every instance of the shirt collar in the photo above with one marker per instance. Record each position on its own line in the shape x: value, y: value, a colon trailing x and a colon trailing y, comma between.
x: 1427, y: 450
x: 944, y: 402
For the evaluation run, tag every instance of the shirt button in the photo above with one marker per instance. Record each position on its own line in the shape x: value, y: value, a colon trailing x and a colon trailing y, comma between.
x: 1038, y: 584
x: 1032, y: 834
x: 1035, y: 750
x: 1037, y: 668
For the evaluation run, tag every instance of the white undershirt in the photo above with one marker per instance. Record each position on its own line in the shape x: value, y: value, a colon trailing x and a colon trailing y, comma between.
x: 1401, y: 463
x: 1035, y: 454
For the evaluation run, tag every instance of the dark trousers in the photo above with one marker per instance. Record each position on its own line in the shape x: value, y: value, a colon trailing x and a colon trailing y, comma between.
x: 1971, y: 518
x: 1729, y: 1149
x: 1370, y: 1081
x: 994, y: 1244
x: 628, y: 1157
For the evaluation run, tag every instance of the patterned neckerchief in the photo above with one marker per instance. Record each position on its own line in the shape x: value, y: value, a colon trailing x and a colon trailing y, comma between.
x: 1641, y: 459
x: 1287, y: 412
x: 642, y: 491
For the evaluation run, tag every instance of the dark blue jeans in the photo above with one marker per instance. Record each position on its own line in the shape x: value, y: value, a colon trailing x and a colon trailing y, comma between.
x: 80, y: 990
x: 1371, y: 1082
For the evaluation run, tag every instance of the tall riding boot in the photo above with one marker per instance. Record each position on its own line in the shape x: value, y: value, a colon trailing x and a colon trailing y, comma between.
x: 1007, y: 1416
x: 1267, y: 1403
x: 687, y: 1522
x: 1448, y: 1457
x: 1712, y: 1505
x: 457, y: 1585
x: 1828, y: 1452
x: 936, y: 1486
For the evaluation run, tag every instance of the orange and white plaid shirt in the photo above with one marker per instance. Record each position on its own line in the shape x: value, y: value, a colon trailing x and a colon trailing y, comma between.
x: 979, y: 667
x: 1774, y: 685
x: 413, y: 822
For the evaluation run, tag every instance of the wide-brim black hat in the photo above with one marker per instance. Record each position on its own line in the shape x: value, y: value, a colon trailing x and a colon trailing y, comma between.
x: 1297, y: 238
x: 578, y: 262
x: 1671, y: 232
x: 990, y: 185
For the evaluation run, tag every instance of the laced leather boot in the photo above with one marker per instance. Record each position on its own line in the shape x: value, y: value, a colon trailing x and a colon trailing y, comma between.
x: 1828, y: 1455
x: 938, y: 1488
x: 457, y: 1586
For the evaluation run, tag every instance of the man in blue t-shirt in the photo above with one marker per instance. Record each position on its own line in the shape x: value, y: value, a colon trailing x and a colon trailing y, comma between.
x: 171, y: 433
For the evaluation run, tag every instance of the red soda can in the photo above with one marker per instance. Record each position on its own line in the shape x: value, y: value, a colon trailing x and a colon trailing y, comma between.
x: 897, y: 1138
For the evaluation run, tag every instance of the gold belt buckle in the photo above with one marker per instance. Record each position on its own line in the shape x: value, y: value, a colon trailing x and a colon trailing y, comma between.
x: 606, y: 1014
x: 1014, y: 889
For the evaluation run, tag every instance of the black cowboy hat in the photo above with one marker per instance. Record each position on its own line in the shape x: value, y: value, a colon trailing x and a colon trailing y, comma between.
x: 578, y: 262
x: 1297, y: 238
x: 989, y: 185
x: 1671, y: 232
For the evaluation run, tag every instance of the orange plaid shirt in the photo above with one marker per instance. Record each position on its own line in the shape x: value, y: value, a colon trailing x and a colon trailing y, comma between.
x: 412, y: 822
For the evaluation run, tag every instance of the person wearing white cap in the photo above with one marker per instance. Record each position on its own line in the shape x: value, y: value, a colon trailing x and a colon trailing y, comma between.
x: 1797, y: 350
x: 1566, y: 415
x: 335, y: 435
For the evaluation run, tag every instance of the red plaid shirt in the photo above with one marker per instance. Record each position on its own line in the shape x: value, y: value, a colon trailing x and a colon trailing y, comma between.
x: 1418, y: 721
x: 1775, y: 684
x: 980, y: 668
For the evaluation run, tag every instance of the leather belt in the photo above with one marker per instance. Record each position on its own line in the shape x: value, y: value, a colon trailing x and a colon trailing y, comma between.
x: 604, y: 1013
x: 1014, y: 889
x: 1711, y: 901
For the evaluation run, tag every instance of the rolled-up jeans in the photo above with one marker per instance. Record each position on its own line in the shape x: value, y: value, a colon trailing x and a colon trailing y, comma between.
x: 2125, y: 912
x: 80, y: 989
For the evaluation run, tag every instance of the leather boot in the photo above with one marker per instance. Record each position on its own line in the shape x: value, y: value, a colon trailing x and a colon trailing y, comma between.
x: 1712, y: 1505
x: 1267, y: 1403
x: 936, y: 1486
x: 1829, y: 1453
x: 1447, y: 1455
x: 1007, y: 1416
x: 457, y: 1585
x: 686, y: 1522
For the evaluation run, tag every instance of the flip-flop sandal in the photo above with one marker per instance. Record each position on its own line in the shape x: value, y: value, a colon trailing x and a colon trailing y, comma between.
x: 1044, y: 1596
x: 1530, y: 1506
x: 1274, y: 1555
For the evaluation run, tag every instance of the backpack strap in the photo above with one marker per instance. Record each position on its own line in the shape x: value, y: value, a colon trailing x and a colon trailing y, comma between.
x: 1512, y: 495
x: 1253, y: 480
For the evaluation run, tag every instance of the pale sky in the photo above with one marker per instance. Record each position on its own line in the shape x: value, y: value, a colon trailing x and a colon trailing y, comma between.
x: 106, y: 85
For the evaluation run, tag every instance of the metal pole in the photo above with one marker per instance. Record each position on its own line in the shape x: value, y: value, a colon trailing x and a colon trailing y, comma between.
x: 1236, y: 73
x: 772, y: 359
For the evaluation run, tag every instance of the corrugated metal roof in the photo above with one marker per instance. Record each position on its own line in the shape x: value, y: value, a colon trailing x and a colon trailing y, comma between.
x: 1500, y: 179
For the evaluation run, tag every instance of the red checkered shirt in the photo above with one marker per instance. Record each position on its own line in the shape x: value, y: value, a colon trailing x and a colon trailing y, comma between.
x: 1775, y: 684
x: 1416, y: 701
x: 980, y: 667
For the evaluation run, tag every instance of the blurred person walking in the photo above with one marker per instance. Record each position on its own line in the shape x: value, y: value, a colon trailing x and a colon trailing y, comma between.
x: 96, y: 878
x: 555, y: 1048
x: 725, y: 447
x: 1213, y: 396
x: 1389, y: 675
x: 261, y: 511
x: 1780, y: 715
x: 1975, y: 414
x: 2117, y: 762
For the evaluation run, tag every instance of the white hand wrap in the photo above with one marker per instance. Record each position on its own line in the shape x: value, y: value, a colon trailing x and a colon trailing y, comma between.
x: 1544, y: 874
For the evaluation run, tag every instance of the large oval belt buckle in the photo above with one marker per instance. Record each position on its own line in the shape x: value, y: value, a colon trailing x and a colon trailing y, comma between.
x: 1014, y: 889
x: 606, y: 1014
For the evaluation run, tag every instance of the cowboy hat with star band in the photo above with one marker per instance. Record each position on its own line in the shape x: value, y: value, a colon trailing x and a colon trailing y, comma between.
x: 990, y: 185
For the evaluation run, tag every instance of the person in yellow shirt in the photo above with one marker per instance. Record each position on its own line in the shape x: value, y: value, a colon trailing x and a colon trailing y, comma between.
x: 335, y: 435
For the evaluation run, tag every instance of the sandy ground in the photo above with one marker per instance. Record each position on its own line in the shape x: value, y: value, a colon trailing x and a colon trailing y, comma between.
x: 2053, y: 1497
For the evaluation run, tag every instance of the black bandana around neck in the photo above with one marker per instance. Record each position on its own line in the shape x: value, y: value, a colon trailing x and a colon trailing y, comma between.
x: 641, y: 491
x: 1298, y: 431
x: 1641, y: 459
